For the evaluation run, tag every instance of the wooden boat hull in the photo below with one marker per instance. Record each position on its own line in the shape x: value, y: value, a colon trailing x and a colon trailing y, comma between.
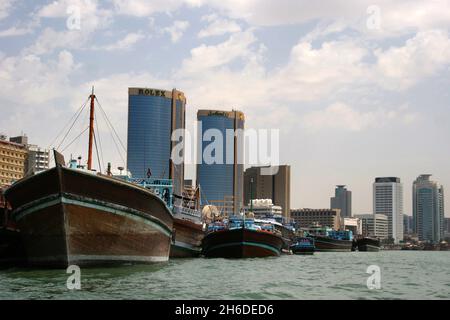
x: 326, y: 244
x: 68, y: 217
x: 187, y: 239
x: 241, y: 243
x: 368, y: 245
x: 12, y: 252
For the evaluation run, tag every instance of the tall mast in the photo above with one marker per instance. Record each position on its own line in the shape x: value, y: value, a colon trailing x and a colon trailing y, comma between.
x: 91, y: 130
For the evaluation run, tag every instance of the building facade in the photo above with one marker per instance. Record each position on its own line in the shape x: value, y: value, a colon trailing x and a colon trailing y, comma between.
x: 304, y: 218
x: 342, y: 200
x: 428, y: 209
x: 38, y: 159
x: 153, y: 115
x: 375, y: 225
x: 264, y: 207
x: 12, y: 162
x: 388, y: 200
x: 276, y: 187
x: 220, y: 169
x: 352, y: 224
x: 408, y: 224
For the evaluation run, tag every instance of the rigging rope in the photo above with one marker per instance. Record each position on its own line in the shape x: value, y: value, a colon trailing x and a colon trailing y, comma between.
x: 79, y: 113
x: 76, y: 138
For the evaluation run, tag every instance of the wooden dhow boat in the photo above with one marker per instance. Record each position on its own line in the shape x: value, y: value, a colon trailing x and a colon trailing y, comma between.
x: 72, y: 216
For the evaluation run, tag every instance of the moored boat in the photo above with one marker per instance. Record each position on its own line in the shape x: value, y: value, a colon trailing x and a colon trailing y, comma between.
x: 241, y: 238
x: 303, y: 245
x: 76, y: 216
x: 188, y: 234
x: 328, y: 240
x: 71, y: 217
x: 368, y: 244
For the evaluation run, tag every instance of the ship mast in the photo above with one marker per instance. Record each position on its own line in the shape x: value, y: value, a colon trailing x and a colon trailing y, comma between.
x: 91, y: 130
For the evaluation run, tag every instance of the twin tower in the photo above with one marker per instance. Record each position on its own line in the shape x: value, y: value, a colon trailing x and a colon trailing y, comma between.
x: 153, y: 115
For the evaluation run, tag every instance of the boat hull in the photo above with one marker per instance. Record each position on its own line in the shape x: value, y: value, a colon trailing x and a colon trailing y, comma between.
x: 368, y: 245
x: 303, y: 251
x: 241, y: 243
x: 325, y: 244
x: 68, y: 217
x: 12, y: 252
x: 187, y: 239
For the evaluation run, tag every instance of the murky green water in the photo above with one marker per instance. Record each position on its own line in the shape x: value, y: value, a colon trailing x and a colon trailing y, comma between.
x: 404, y: 275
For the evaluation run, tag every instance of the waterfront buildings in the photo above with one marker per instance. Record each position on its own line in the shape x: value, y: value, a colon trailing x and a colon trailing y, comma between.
x: 37, y: 159
x: 276, y: 187
x: 264, y: 207
x: 375, y: 225
x: 304, y: 218
x: 153, y: 115
x: 352, y: 224
x: 220, y: 169
x: 12, y: 161
x: 388, y: 200
x: 408, y: 224
x: 428, y: 209
x: 342, y: 200
x: 447, y: 229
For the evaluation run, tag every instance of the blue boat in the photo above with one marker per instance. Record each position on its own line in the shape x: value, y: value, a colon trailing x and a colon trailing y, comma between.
x: 303, y: 245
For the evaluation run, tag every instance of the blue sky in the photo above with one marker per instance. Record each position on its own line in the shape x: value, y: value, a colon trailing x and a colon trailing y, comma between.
x: 357, y: 90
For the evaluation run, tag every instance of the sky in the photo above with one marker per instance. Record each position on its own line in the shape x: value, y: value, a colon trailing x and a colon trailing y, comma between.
x: 358, y: 89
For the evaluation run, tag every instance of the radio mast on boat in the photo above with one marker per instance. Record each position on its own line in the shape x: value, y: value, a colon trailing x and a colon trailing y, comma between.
x: 91, y: 130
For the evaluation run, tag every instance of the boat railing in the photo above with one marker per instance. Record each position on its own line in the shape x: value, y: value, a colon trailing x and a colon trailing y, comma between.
x: 177, y: 209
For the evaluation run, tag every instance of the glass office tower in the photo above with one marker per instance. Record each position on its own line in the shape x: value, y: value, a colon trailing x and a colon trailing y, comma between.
x: 221, y: 182
x: 152, y: 116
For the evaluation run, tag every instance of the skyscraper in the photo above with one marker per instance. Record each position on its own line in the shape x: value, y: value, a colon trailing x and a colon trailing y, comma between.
x: 152, y: 117
x: 342, y: 200
x: 276, y: 187
x: 220, y: 169
x: 428, y: 209
x: 388, y: 200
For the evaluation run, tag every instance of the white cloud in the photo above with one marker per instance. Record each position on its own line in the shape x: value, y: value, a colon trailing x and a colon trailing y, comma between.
x: 14, y: 32
x: 177, y: 30
x: 425, y: 54
x: 145, y: 8
x: 6, y: 7
x: 218, y: 26
x: 402, y: 16
x: 125, y: 43
x: 204, y: 56
x: 37, y: 80
x: 92, y: 18
x: 343, y: 117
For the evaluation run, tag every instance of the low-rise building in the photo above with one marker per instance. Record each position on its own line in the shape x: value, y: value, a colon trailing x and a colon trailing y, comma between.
x: 304, y: 218
x: 375, y: 225
x: 352, y: 224
x: 12, y: 161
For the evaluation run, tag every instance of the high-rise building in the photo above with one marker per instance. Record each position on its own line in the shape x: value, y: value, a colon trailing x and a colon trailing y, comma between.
x: 220, y: 169
x: 408, y: 224
x: 304, y: 218
x: 342, y: 200
x: 388, y: 200
x: 446, y: 228
x: 276, y: 186
x: 12, y: 162
x: 428, y: 209
x: 153, y: 115
x: 375, y: 225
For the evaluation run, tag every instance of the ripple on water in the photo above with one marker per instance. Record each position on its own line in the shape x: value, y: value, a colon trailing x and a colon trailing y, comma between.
x: 404, y: 275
